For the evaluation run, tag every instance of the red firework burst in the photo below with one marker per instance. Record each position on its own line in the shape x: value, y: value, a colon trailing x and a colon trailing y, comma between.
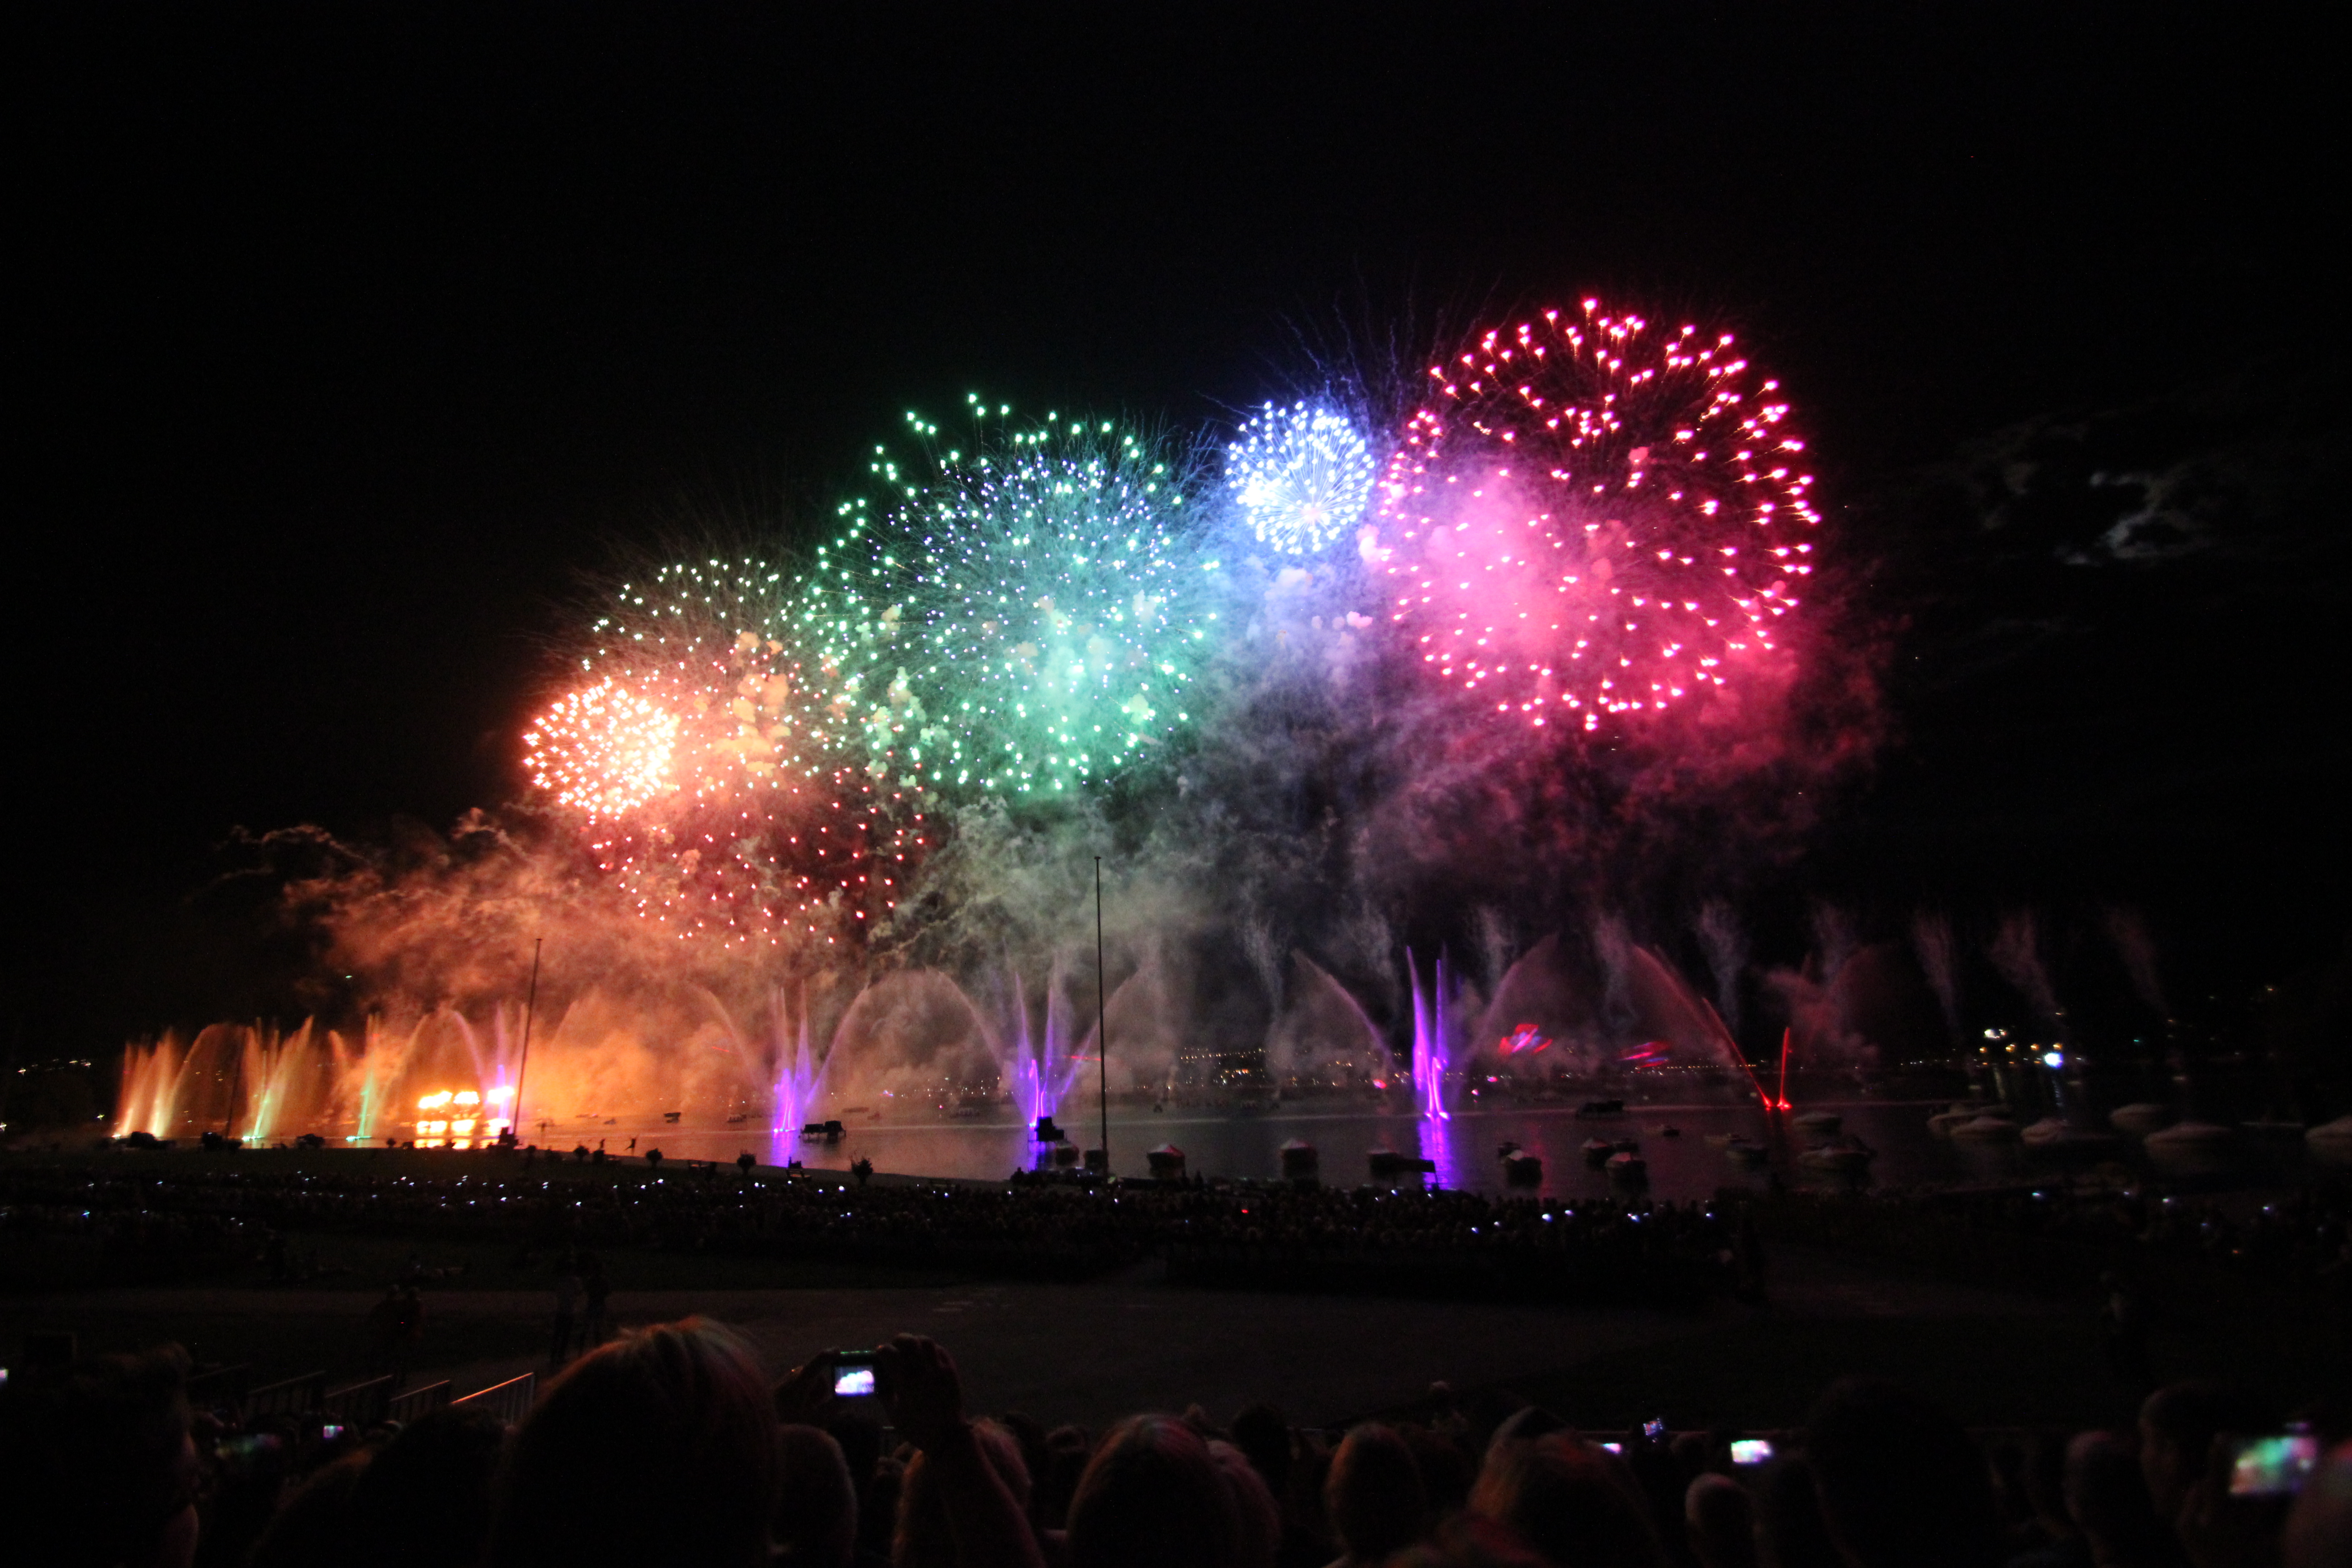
x: 1592, y: 517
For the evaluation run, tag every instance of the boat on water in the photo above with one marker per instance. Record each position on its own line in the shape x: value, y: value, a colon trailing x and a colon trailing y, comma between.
x: 1990, y: 1128
x: 1597, y: 1151
x: 1745, y: 1150
x: 1960, y: 1112
x: 2055, y: 1133
x: 1388, y: 1162
x: 2202, y: 1143
x: 2140, y: 1119
x: 1848, y: 1156
x: 1523, y: 1169
x: 2330, y: 1142
x: 1819, y: 1124
x: 1628, y: 1168
x: 1299, y: 1158
x: 1167, y: 1162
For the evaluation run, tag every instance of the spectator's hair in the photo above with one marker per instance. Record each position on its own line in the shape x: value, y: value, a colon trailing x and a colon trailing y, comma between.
x: 816, y: 1507
x: 2177, y: 1428
x: 2107, y: 1499
x: 1790, y: 1530
x: 1151, y: 1496
x: 95, y: 1461
x: 1525, y: 1425
x: 1720, y: 1522
x: 1261, y: 1432
x: 1470, y: 1541
x: 1259, y: 1521
x: 1573, y: 1502
x: 1374, y: 1495
x: 925, y: 1535
x: 654, y: 1450
x: 1901, y: 1484
x: 1447, y: 1472
x: 1067, y: 1449
x: 433, y: 1482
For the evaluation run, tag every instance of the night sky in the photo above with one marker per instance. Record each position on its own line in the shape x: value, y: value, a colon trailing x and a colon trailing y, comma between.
x: 345, y: 344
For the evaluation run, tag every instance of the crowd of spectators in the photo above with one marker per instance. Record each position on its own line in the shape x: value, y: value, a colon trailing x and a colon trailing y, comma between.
x: 669, y: 1446
x: 2300, y: 1237
x: 1269, y: 1234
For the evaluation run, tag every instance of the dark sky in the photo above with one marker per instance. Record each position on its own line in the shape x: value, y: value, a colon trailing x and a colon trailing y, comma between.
x: 347, y: 337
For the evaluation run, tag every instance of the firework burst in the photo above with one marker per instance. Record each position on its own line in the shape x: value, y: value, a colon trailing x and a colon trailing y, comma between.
x: 604, y: 751
x: 1020, y: 618
x: 700, y: 784
x: 1302, y: 475
x: 1592, y: 517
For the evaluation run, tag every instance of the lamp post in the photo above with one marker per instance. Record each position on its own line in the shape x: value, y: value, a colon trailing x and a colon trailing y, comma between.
x: 522, y: 1065
x: 1102, y: 1025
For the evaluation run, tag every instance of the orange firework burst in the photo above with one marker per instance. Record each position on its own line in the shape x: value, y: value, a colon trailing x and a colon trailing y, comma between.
x: 752, y: 831
x: 1591, y: 516
x: 605, y: 751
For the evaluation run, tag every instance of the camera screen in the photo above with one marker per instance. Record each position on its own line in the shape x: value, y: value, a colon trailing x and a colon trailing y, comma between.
x: 1750, y: 1450
x: 853, y: 1381
x: 2274, y: 1466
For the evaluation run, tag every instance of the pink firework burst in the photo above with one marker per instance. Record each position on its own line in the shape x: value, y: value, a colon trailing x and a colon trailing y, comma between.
x: 1591, y: 516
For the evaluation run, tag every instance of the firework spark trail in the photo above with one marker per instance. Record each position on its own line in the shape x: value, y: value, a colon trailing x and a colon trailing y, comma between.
x: 1019, y: 619
x: 1302, y: 475
x: 692, y: 761
x: 1592, y: 517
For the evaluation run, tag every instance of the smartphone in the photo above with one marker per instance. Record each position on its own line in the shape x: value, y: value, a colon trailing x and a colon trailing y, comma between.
x: 330, y: 1432
x: 853, y: 1375
x: 1655, y: 1429
x: 1614, y: 1447
x: 2274, y: 1465
x: 1750, y: 1450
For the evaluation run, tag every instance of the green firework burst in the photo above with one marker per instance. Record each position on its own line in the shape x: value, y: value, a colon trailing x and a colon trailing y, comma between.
x: 1020, y: 618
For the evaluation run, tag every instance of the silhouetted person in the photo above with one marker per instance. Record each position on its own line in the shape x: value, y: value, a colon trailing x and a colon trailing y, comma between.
x: 1901, y: 1484
x: 567, y: 1308
x: 1573, y: 1502
x: 924, y: 1535
x: 655, y: 1451
x: 596, y: 1291
x: 1720, y: 1522
x: 816, y: 1506
x: 1789, y: 1530
x: 432, y: 1483
x: 2177, y: 1428
x: 1151, y: 1496
x: 2107, y: 1499
x: 1374, y: 1495
x: 96, y: 1466
x: 2042, y: 1479
x: 1255, y: 1517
